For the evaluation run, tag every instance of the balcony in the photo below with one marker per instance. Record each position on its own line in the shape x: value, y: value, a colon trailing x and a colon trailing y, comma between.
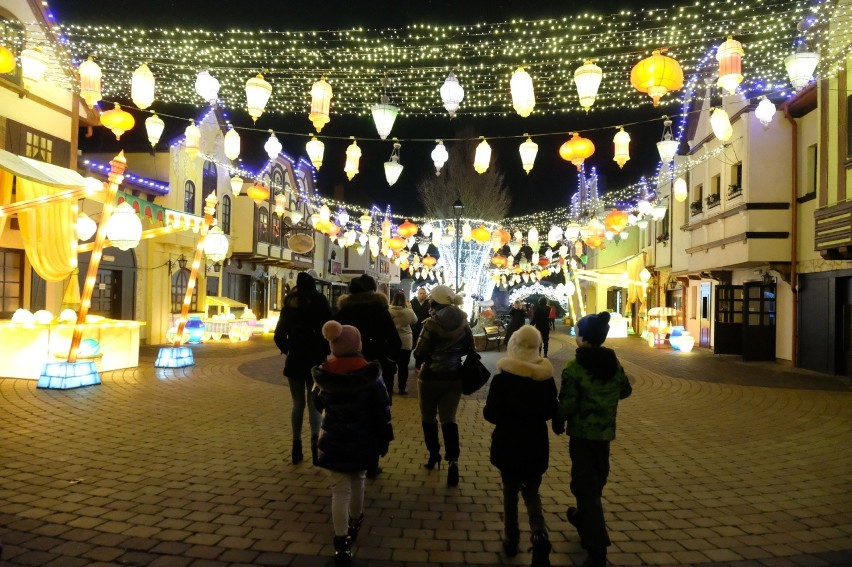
x: 833, y: 231
x: 713, y: 200
x: 696, y: 207
x: 734, y: 191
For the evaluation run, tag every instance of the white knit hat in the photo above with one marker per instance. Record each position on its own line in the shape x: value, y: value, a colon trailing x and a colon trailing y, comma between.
x: 524, y: 343
x: 444, y: 295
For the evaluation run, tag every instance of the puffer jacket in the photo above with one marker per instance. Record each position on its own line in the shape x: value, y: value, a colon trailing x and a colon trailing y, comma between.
x: 592, y: 385
x: 444, y: 340
x: 521, y: 399
x: 403, y: 318
x: 368, y: 312
x: 356, y: 417
x: 298, y: 333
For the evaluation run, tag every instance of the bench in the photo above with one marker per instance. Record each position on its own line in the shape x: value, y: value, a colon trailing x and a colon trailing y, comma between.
x: 494, y: 336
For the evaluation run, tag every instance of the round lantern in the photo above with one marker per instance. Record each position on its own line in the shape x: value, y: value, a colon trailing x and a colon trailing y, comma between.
x: 257, y: 95
x: 482, y: 158
x: 523, y: 96
x: 729, y: 55
x: 316, y: 150
x: 528, y: 151
x: 765, y: 111
x: 216, y: 245
x: 272, y: 146
x: 8, y: 63
x: 481, y: 234
x: 142, y: 87
x: 721, y: 124
x: 118, y: 120
x: 621, y: 141
x: 498, y: 260
x: 593, y: 240
x: 258, y: 193
x: 154, y: 127
x: 33, y: 65
x: 439, y: 156
x: 396, y: 243
x: 429, y: 261
x: 681, y: 192
x: 90, y: 81
x: 232, y: 144
x: 86, y: 227
x: 452, y: 94
x: 353, y: 156
x: 407, y: 229
x: 657, y: 75
x: 587, y: 79
x: 577, y: 150
x: 124, y: 229
x: 192, y: 140
x: 532, y: 237
x: 207, y: 87
x: 615, y: 221
x: 320, y: 104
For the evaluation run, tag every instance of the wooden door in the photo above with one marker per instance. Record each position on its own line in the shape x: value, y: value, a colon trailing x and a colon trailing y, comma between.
x: 106, y: 295
x: 728, y: 328
x: 759, y: 321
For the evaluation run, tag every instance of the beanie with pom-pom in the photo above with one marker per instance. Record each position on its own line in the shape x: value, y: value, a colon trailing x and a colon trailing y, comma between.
x: 344, y: 340
x: 594, y: 328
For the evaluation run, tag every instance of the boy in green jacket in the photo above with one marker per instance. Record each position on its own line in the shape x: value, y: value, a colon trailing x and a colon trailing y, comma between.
x: 592, y: 385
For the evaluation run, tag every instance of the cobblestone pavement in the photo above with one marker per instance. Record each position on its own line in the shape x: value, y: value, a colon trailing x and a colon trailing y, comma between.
x: 717, y: 462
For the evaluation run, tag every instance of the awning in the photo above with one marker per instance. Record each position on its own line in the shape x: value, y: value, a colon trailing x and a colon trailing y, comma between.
x: 40, y: 172
x: 227, y: 302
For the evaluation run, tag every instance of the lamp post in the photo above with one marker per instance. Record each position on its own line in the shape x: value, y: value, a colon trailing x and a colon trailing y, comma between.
x: 458, y: 208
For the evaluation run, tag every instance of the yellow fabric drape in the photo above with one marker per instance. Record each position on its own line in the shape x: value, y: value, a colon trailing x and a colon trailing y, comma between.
x: 48, y: 232
x: 6, y: 180
x: 635, y: 290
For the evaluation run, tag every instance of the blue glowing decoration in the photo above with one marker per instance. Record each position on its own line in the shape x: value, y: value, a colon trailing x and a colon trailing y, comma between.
x: 195, y: 326
x: 68, y: 375
x: 174, y: 357
x: 89, y: 348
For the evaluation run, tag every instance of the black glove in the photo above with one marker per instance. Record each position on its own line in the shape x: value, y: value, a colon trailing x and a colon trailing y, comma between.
x: 558, y: 426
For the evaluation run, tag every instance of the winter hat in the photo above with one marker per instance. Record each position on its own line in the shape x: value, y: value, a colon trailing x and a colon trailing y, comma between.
x: 593, y: 328
x: 305, y: 283
x: 524, y: 343
x: 344, y: 340
x: 444, y: 295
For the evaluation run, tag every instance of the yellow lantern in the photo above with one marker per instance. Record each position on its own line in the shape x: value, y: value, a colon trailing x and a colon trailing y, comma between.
x: 34, y: 64
x: 481, y: 234
x: 90, y: 81
x: 7, y: 60
x: 316, y: 151
x: 404, y: 264
x: 729, y: 55
x: 353, y: 156
x: 587, y: 79
x: 258, y: 193
x: 657, y: 75
x: 396, y: 244
x: 622, y: 147
x: 280, y: 204
x: 681, y: 192
x: 498, y: 260
x: 528, y: 151
x: 320, y: 104
x: 142, y: 87
x: 482, y: 158
x: 429, y: 261
x: 720, y: 122
x: 118, y: 121
x: 407, y: 229
x: 523, y: 95
x: 616, y: 221
x: 257, y: 95
x: 577, y: 150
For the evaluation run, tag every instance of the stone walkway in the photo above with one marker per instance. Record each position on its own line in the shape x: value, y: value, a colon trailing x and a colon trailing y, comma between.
x: 717, y: 462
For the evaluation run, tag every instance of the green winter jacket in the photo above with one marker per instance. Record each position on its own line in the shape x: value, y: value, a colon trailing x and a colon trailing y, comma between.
x: 592, y: 385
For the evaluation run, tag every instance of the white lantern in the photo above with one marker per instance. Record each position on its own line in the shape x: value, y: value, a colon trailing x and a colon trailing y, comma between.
x: 236, y: 184
x: 587, y: 79
x: 207, y: 87
x: 528, y: 151
x: 257, y: 95
x: 437, y: 233
x: 523, y: 96
x: 124, y: 229
x: 90, y: 81
x: 154, y: 127
x: 570, y: 288
x: 621, y: 141
x: 765, y: 111
x: 466, y: 230
x: 482, y: 158
x: 272, y: 146
x: 33, y: 65
x: 296, y: 216
x: 316, y: 151
x: 667, y: 146
x: 644, y: 275
x: 384, y: 115
x: 452, y: 94
x: 142, y: 87
x: 423, y: 247
x: 366, y: 222
x: 680, y: 190
x: 86, y: 227
x: 342, y: 217
x: 532, y: 237
x: 216, y: 245
x: 644, y: 207
x: 514, y: 247
x: 439, y: 156
x: 393, y: 169
x: 193, y: 140
x: 658, y: 211
x: 572, y: 231
x: 353, y: 156
x: 426, y: 229
x: 232, y: 144
x: 721, y: 124
x: 321, y: 94
x: 801, y: 65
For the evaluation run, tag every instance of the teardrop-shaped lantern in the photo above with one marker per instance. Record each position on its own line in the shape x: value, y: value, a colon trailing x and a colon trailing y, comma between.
x: 90, y: 81
x: 800, y: 65
x: 142, y: 87
x: 587, y: 79
x: 439, y: 156
x: 528, y: 151
x: 681, y: 192
x: 729, y: 55
x: 384, y: 115
x: 621, y: 141
x: 765, y: 111
x: 236, y: 184
x: 207, y: 87
x: 272, y: 146
x: 8, y: 63
x: 657, y: 75
x: 365, y: 221
x: 316, y: 151
x: 280, y: 204
x: 124, y: 229
x: 258, y: 193
x: 154, y: 127
x: 721, y: 124
x: 393, y: 169
x: 232, y: 144
x: 192, y: 140
x: 321, y: 94
x: 577, y: 150
x: 353, y: 156
x: 482, y: 158
x: 452, y: 94
x: 216, y: 245
x: 257, y: 95
x: 33, y: 65
x: 118, y: 120
x: 532, y: 237
x: 523, y: 95
x: 667, y: 146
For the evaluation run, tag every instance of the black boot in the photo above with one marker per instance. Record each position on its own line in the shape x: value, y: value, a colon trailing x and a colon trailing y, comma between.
x: 298, y: 457
x: 451, y: 448
x: 355, y: 527
x: 314, y: 440
x: 511, y: 541
x: 596, y: 558
x: 540, y: 550
x: 453, y: 474
x: 342, y: 551
x: 433, y: 445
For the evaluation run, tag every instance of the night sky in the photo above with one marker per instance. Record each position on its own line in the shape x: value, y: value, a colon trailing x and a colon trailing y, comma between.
x: 549, y: 185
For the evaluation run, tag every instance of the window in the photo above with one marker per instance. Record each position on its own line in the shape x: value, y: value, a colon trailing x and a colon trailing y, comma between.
x: 714, y: 194
x: 209, y: 179
x: 697, y: 204
x: 262, y: 225
x: 276, y: 230
x: 11, y: 281
x: 735, y: 188
x: 189, y: 197
x: 277, y: 181
x: 180, y: 279
x: 39, y: 148
x: 225, y: 214
x: 810, y: 185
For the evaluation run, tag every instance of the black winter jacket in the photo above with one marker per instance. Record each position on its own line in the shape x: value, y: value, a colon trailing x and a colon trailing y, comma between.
x: 299, y: 332
x: 517, y: 318
x: 445, y: 339
x: 541, y: 318
x: 368, y: 312
x: 356, y: 418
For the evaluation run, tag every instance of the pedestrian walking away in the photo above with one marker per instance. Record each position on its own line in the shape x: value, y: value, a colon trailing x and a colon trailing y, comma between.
x: 517, y: 318
x: 592, y: 385
x: 403, y: 317
x: 541, y: 321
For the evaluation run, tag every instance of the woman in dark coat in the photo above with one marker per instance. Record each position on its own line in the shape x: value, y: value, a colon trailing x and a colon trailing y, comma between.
x: 541, y: 321
x: 299, y: 336
x: 521, y: 399
x: 517, y: 318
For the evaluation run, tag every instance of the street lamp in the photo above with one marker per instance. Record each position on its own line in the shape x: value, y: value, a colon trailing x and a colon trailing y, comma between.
x: 458, y: 208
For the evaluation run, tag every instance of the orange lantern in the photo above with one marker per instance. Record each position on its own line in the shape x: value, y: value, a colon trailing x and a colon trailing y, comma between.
x: 577, y: 150
x: 258, y: 193
x: 403, y: 265
x: 615, y: 221
x: 7, y: 60
x: 332, y: 230
x: 730, y: 55
x: 481, y: 234
x: 657, y: 75
x: 593, y: 240
x: 118, y: 120
x: 406, y: 229
x: 498, y: 260
x: 429, y: 261
x: 504, y: 236
x: 396, y: 243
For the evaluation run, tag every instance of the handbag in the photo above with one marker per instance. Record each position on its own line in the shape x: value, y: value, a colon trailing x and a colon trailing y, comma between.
x: 474, y: 374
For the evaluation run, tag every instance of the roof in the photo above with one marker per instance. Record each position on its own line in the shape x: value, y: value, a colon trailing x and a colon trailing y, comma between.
x: 39, y: 171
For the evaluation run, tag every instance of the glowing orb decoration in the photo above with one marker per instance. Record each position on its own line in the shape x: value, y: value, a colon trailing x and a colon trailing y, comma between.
x: 24, y: 316
x: 43, y: 317
x: 195, y: 326
x: 68, y: 316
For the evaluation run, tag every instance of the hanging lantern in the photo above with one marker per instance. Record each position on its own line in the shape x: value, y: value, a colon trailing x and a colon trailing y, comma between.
x: 393, y: 169
x: 118, y: 120
x: 680, y: 190
x: 257, y: 95
x: 644, y: 206
x: 658, y: 211
x: 384, y: 114
x: 729, y: 55
x: 532, y: 237
x: 466, y: 230
x: 320, y: 104
x: 437, y: 236
x: 621, y: 141
x: 429, y: 261
x: 615, y: 221
x: 554, y: 235
x: 258, y: 193
x: 481, y: 234
x: 90, y: 81
x: 86, y: 227
x: 514, y: 248
x: 342, y: 217
x: 124, y: 229
x: 8, y: 63
x: 801, y: 65
x: 452, y: 94
x: 272, y: 146
x: 316, y: 150
x: 439, y: 156
x: 572, y: 231
x: 657, y: 75
x: 142, y: 87
x: 403, y: 264
x: 353, y: 155
x: 396, y: 243
x: 365, y: 222
x: 577, y: 150
x: 498, y: 260
x: 207, y: 87
x: 407, y: 229
x: 528, y: 151
x: 482, y: 158
x: 504, y: 236
x: 721, y: 124
x: 236, y: 184
x: 523, y: 95
x: 192, y: 140
x: 587, y: 79
x: 154, y: 127
x: 765, y: 111
x: 33, y: 65
x: 667, y: 146
x: 280, y: 204
x: 216, y: 245
x: 296, y: 216
x: 232, y: 144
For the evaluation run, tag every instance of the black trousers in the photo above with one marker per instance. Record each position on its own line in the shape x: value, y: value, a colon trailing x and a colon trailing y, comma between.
x: 589, y: 472
x: 402, y: 359
x: 528, y: 487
